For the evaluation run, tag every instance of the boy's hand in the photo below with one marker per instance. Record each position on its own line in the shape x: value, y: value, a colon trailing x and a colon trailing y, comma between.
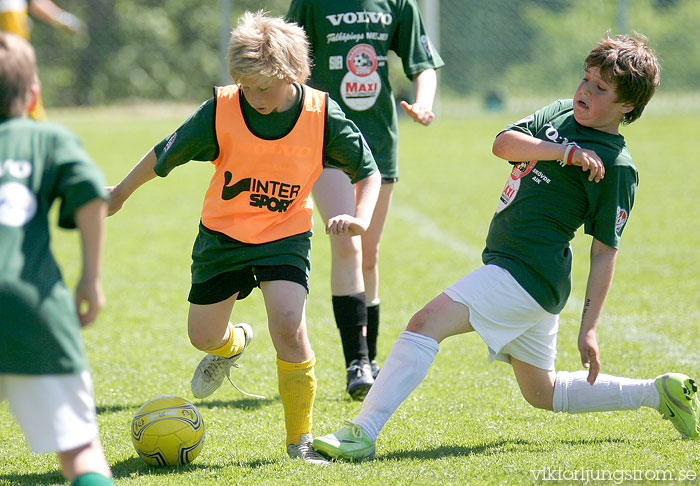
x: 419, y: 113
x: 346, y: 225
x: 115, y: 202
x: 89, y: 299
x: 588, y: 160
x: 588, y: 347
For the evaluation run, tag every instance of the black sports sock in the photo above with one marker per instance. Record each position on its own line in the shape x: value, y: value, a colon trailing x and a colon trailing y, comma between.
x: 351, y: 318
x: 372, y: 330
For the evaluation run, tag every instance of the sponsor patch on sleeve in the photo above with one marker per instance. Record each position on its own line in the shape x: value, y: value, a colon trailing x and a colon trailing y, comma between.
x: 170, y: 142
x: 620, y: 220
x: 426, y: 45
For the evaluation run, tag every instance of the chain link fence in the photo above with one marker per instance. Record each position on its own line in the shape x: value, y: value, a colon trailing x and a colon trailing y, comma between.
x: 499, y: 54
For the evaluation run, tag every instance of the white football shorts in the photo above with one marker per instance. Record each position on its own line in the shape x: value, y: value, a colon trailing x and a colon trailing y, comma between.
x: 56, y: 412
x: 507, y: 318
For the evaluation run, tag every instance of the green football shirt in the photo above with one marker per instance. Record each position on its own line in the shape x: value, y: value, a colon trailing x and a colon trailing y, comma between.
x: 545, y: 202
x: 39, y: 163
x: 350, y: 41
x: 344, y: 148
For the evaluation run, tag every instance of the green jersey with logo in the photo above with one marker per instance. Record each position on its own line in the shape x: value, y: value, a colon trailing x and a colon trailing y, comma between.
x: 39, y: 163
x: 344, y: 148
x: 350, y: 41
x: 545, y: 202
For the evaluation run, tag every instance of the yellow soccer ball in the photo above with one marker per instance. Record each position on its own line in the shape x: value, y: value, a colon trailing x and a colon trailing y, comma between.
x: 167, y: 431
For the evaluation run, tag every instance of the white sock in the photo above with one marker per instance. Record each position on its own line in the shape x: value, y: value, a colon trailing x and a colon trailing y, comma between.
x: 403, y: 370
x: 573, y: 394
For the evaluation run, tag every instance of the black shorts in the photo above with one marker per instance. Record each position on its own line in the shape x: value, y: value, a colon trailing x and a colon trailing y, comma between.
x: 243, y: 281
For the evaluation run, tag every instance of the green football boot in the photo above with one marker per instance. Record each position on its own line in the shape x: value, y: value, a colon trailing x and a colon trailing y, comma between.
x: 680, y: 403
x: 350, y: 443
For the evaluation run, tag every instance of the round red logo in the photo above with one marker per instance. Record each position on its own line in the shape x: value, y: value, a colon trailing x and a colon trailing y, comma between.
x: 362, y: 60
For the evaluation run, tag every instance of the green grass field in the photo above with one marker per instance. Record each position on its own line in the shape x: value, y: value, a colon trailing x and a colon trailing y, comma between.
x: 466, y: 423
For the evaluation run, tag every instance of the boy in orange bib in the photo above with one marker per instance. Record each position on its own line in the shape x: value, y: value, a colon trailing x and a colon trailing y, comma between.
x: 269, y: 137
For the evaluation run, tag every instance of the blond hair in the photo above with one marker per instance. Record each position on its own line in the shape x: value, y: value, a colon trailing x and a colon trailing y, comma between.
x: 629, y: 64
x: 17, y: 74
x: 268, y: 47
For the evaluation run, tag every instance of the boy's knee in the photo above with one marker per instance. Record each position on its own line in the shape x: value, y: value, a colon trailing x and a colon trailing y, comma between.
x: 370, y: 259
x: 419, y: 321
x: 346, y: 248
x: 202, y: 341
x: 539, y: 401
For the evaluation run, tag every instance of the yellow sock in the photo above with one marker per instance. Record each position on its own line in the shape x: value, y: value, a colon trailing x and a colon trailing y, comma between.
x: 297, y: 385
x: 234, y: 344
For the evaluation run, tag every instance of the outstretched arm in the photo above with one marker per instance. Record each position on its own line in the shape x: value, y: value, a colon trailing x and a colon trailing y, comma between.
x: 366, y: 193
x: 599, y: 279
x: 89, y: 298
x: 49, y: 12
x: 517, y: 146
x: 424, y: 88
x: 139, y: 175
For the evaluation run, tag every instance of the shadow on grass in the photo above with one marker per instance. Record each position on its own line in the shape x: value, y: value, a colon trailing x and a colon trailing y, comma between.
x: 103, y: 409
x: 128, y: 468
x: 451, y: 450
x: 134, y: 467
x: 54, y: 477
x: 490, y: 448
x: 241, y: 403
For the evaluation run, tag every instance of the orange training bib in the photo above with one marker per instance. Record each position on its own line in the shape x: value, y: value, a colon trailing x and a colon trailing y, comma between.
x: 260, y: 191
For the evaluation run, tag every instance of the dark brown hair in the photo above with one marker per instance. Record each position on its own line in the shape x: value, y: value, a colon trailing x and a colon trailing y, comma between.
x: 628, y: 63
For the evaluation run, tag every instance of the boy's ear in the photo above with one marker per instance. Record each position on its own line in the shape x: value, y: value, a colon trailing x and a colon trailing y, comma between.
x: 627, y: 108
x: 33, y: 95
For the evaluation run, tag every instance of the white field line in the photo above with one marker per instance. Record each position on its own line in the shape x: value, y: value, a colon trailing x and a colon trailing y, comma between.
x: 425, y: 227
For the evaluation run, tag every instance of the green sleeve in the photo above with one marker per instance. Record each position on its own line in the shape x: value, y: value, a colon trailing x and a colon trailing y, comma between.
x: 195, y: 139
x: 611, y: 202
x: 412, y: 43
x: 79, y: 180
x: 345, y: 147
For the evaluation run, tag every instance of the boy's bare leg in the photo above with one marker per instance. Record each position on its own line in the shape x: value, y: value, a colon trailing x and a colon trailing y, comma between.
x: 88, y: 458
x: 370, y: 242
x: 285, y: 303
x: 536, y: 384
x: 334, y: 194
x: 370, y: 270
x: 570, y: 391
x: 207, y: 325
x: 210, y: 331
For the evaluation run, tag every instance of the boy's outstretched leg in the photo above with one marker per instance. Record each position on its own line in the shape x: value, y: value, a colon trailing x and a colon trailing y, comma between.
x: 404, y: 369
x: 674, y: 395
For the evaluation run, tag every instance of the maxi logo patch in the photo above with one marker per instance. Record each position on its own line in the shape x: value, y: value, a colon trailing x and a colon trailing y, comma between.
x: 361, y: 85
x: 519, y: 171
x: 276, y: 196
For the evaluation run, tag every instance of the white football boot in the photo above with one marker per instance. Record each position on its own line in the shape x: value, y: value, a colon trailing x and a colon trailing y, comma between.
x: 212, y: 369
